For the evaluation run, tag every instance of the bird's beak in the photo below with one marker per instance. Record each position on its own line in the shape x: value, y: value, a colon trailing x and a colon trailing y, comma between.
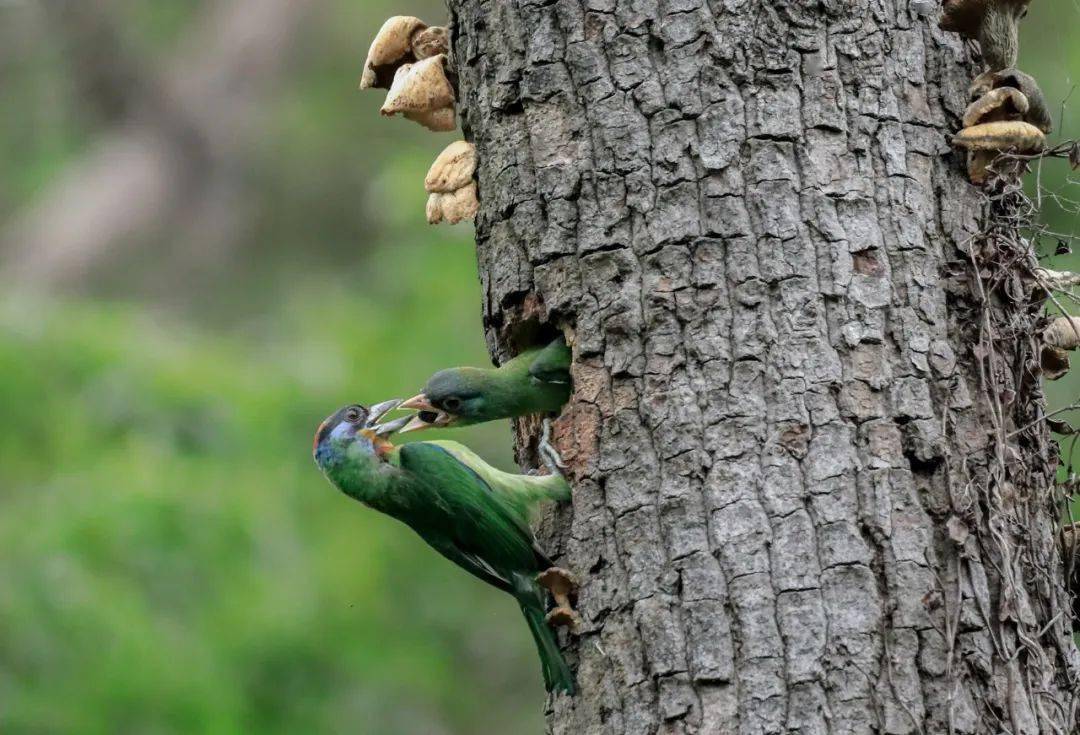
x: 427, y: 417
x: 379, y: 410
x: 391, y: 427
x: 415, y: 423
x: 418, y: 403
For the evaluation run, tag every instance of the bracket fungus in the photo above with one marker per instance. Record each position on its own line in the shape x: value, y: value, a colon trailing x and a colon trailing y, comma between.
x: 993, y: 23
x: 986, y: 140
x: 422, y: 92
x: 993, y: 123
x: 401, y: 40
x: 561, y: 584
x: 450, y: 185
x: 1038, y: 114
x: 1004, y: 103
x: 1059, y: 339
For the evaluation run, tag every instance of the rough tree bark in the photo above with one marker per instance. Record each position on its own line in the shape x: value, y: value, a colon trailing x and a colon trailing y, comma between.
x: 799, y: 502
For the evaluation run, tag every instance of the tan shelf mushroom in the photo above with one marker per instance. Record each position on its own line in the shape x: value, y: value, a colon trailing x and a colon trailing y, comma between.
x: 401, y: 40
x: 561, y: 584
x: 450, y: 185
x: 1038, y: 114
x: 994, y: 123
x: 993, y: 23
x: 422, y: 92
x: 1059, y: 339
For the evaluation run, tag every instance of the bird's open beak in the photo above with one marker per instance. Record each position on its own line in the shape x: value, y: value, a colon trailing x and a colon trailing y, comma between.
x: 418, y: 403
x: 379, y: 410
x: 427, y: 417
x: 377, y: 432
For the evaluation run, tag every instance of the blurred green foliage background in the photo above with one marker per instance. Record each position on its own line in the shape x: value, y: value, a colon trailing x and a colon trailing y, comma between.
x: 170, y: 559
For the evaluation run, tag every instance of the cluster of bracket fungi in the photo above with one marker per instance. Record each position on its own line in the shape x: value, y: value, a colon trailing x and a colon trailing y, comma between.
x: 1008, y: 112
x: 411, y: 60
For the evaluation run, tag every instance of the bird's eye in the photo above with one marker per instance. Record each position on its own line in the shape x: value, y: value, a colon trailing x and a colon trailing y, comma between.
x: 452, y: 404
x: 353, y: 414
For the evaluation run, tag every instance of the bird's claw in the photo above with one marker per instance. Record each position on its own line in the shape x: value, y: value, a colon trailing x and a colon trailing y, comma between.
x: 561, y: 584
x: 548, y: 454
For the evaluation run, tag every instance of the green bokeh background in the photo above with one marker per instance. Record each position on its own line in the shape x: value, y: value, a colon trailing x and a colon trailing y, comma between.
x: 170, y: 559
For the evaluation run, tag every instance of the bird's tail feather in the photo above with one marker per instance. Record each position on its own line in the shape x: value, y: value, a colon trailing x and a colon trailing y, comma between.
x: 557, y: 674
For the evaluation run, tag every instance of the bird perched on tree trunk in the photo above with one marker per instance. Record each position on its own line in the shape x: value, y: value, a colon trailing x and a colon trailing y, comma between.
x: 473, y: 514
x: 536, y: 381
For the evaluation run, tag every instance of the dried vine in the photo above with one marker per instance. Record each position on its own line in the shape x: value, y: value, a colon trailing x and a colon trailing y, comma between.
x: 1011, y: 291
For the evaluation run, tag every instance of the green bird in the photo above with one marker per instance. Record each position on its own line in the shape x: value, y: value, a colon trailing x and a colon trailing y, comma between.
x: 470, y: 512
x: 536, y: 381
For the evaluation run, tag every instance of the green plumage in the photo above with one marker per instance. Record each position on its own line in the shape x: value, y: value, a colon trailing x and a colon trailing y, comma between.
x: 536, y: 381
x: 471, y: 513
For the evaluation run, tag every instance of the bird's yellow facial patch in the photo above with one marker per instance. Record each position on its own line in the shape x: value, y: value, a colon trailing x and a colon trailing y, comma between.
x: 382, y: 446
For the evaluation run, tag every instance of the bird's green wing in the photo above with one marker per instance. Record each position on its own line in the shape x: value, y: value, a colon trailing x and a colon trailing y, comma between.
x: 469, y: 521
x: 476, y: 528
x: 552, y: 364
x: 471, y: 563
x: 523, y: 492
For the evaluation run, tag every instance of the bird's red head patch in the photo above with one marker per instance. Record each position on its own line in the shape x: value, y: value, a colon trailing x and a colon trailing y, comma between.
x: 324, y: 430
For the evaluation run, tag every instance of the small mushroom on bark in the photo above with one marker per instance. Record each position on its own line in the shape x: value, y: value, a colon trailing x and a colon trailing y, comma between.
x: 430, y: 42
x: 1063, y: 333
x: 996, y: 105
x: 1060, y: 338
x: 442, y: 120
x: 993, y: 23
x: 422, y: 92
x: 453, y: 169
x: 986, y: 140
x: 1038, y: 114
x: 1053, y: 362
x: 454, y: 207
x: 1004, y: 103
x: 1013, y: 135
x: 450, y: 184
x: 561, y: 584
x: 401, y: 40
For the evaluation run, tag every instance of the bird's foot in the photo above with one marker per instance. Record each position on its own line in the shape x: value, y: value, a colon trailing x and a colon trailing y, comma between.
x: 548, y: 454
x: 561, y: 584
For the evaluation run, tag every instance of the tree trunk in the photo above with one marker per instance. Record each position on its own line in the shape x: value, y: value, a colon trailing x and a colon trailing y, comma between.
x: 800, y: 504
